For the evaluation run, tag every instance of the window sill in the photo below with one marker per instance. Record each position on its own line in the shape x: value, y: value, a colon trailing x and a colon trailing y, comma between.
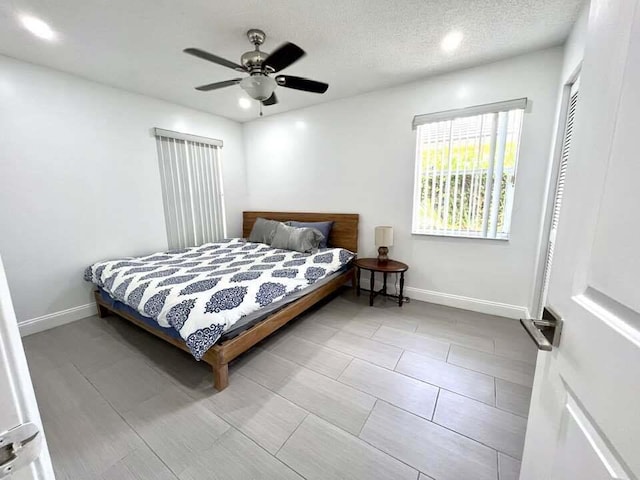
x: 502, y: 237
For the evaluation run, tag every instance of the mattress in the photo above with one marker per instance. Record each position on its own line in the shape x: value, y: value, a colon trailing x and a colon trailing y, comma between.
x: 240, y: 326
x: 205, y: 292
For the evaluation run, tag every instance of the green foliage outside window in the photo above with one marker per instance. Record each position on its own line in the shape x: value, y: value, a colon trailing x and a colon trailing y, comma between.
x: 466, y: 156
x: 464, y: 162
x: 456, y: 219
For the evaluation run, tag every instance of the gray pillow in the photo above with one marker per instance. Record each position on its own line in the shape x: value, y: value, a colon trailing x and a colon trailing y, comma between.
x: 302, y: 240
x: 263, y: 231
x: 323, y: 227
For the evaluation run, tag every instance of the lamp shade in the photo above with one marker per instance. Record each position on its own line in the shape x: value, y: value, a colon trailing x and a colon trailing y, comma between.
x: 384, y: 236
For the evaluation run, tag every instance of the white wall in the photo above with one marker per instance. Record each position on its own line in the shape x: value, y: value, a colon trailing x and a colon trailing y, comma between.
x: 79, y: 181
x: 79, y: 178
x: 357, y: 155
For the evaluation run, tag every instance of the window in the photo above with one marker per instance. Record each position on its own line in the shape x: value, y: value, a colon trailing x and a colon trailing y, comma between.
x: 466, y: 169
x: 192, y: 194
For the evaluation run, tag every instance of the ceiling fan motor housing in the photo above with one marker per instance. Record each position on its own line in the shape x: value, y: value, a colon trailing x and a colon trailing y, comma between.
x: 253, y: 60
x: 259, y: 87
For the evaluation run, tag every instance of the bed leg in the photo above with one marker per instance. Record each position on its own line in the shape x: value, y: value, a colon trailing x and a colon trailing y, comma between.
x: 102, y: 311
x: 220, y: 376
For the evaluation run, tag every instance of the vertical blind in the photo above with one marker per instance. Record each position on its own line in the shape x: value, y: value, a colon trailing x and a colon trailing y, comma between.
x: 557, y: 203
x: 465, y: 170
x: 193, y: 198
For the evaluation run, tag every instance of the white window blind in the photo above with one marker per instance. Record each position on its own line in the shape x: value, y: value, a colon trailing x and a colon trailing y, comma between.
x: 465, y: 170
x: 193, y: 198
x: 557, y: 203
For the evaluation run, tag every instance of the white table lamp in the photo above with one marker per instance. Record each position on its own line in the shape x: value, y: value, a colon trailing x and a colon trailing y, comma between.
x: 384, y: 240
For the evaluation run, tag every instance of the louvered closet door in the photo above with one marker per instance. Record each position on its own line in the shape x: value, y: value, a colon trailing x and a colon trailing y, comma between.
x: 557, y: 203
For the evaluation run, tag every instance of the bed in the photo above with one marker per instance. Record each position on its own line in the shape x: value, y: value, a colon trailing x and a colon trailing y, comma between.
x: 276, y: 285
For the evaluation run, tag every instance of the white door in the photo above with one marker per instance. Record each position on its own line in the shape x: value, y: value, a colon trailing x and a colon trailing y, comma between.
x: 584, y: 421
x: 19, y: 416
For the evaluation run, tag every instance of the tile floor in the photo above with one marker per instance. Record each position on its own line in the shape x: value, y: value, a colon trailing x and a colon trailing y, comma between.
x: 344, y: 392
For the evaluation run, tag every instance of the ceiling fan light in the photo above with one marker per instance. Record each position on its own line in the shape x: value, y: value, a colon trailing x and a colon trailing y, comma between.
x: 259, y: 87
x: 244, y: 103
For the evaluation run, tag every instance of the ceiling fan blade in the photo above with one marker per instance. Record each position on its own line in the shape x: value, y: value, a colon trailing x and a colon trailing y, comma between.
x: 283, y: 56
x: 272, y: 100
x: 215, y: 86
x: 196, y: 52
x: 300, y: 83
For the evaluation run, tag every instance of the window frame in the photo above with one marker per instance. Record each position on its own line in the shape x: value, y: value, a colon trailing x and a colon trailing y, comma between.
x: 511, y: 171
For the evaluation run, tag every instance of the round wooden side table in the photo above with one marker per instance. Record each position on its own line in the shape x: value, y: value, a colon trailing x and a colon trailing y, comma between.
x: 390, y: 266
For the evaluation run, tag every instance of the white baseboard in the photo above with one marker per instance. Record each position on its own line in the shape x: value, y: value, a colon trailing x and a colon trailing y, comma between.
x: 468, y: 303
x: 51, y: 320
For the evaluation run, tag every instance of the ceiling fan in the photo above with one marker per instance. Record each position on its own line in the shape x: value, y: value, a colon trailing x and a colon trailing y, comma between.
x: 260, y: 65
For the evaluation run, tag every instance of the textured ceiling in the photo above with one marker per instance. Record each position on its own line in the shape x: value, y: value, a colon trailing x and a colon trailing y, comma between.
x: 354, y: 45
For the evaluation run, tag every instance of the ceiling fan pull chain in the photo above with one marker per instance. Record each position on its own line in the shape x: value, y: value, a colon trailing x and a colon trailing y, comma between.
x: 260, y: 103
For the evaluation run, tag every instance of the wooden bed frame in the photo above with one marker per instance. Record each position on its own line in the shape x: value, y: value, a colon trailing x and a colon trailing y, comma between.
x: 344, y: 234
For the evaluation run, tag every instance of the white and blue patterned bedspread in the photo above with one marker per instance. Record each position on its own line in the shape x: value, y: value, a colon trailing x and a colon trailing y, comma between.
x: 203, y: 291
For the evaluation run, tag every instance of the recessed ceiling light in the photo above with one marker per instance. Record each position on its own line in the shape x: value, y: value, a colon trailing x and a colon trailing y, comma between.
x: 300, y: 125
x: 39, y: 28
x: 451, y: 41
x: 244, y: 103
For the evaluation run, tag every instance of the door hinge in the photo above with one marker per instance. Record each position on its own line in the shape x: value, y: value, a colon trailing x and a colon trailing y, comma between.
x: 19, y: 446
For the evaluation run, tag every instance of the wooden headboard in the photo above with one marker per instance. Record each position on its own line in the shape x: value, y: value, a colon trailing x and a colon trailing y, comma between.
x: 344, y: 233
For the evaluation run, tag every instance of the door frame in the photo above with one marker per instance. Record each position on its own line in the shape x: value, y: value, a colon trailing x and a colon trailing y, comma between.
x: 550, y: 189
